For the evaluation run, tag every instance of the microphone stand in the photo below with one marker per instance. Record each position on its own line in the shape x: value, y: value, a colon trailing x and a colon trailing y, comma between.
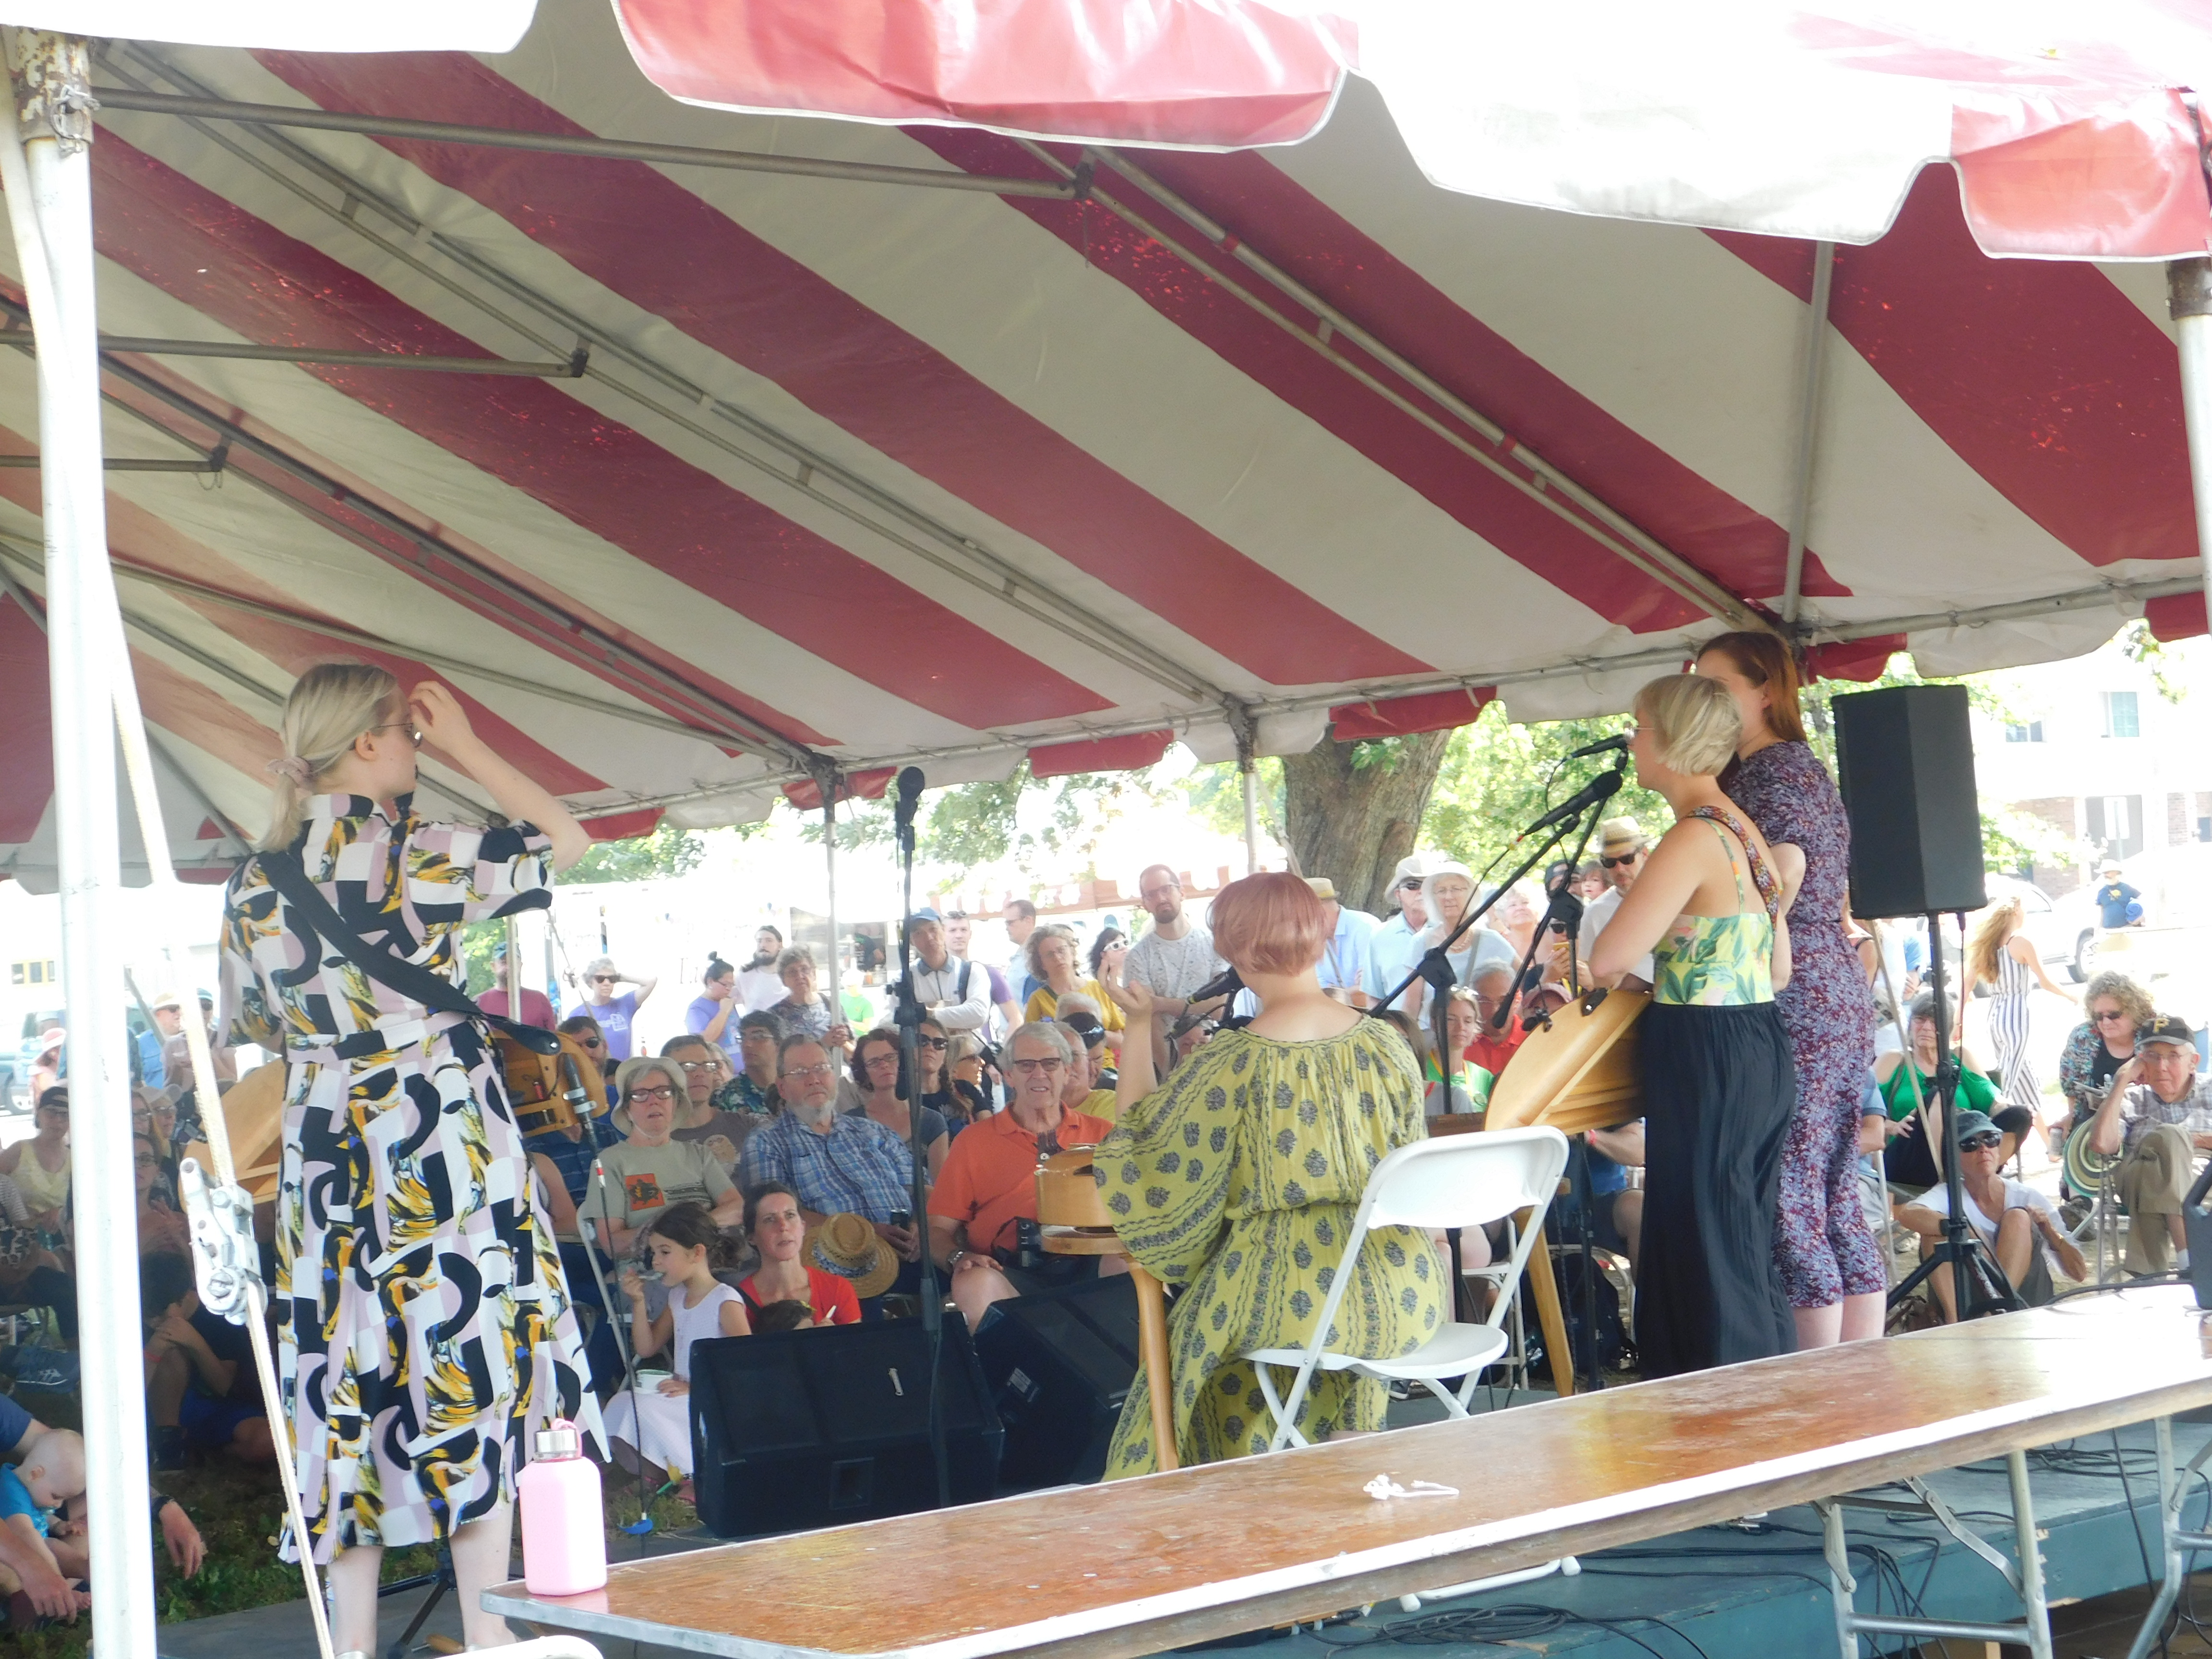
x: 1978, y: 1285
x: 906, y: 1017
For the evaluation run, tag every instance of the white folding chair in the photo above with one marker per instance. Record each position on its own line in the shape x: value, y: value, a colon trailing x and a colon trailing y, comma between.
x: 1455, y: 1181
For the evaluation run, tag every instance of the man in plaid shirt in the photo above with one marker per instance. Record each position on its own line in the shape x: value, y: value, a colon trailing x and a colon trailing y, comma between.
x: 2158, y: 1115
x: 837, y: 1163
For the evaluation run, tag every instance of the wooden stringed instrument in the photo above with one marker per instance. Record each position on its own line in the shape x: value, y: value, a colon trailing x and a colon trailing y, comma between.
x: 1577, y: 1069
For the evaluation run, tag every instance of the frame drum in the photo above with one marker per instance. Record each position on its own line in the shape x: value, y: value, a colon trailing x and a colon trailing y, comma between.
x: 1577, y: 1069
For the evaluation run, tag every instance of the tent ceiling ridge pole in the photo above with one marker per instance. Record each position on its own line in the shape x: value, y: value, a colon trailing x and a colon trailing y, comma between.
x: 150, y: 346
x: 1808, y: 429
x: 119, y: 464
x: 1702, y: 589
x: 567, y: 636
x: 619, y: 149
x: 969, y: 560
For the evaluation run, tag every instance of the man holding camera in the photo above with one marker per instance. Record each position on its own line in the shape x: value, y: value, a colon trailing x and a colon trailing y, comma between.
x: 987, y: 1187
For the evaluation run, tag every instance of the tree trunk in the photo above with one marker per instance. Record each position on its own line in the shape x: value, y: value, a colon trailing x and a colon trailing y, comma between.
x: 1351, y: 823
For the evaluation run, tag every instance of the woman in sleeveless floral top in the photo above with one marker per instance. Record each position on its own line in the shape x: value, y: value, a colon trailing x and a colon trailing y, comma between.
x: 1718, y: 1079
x: 423, y: 1326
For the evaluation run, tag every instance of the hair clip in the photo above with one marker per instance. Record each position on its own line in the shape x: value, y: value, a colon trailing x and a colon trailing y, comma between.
x: 1382, y: 1487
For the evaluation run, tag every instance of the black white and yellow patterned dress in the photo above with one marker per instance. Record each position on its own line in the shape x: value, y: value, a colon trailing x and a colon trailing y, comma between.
x: 424, y: 1325
x: 1238, y: 1180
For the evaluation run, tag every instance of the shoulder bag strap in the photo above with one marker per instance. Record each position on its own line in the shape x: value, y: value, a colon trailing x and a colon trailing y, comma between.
x: 411, y: 980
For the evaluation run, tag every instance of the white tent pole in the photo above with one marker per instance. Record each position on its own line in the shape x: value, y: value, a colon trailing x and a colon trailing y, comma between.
x: 46, y: 165
x: 2189, y: 298
x: 1808, y: 428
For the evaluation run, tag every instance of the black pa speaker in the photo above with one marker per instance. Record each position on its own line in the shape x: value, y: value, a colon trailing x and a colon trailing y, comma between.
x: 1059, y: 1365
x: 816, y: 1428
x: 1904, y: 760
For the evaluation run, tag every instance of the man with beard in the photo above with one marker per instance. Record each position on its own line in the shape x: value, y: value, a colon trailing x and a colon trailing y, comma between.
x: 959, y: 930
x: 759, y: 986
x: 837, y: 1163
x: 1176, y: 956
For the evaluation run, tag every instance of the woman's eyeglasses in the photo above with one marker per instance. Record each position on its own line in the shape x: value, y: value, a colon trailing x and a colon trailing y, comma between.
x: 662, y: 1093
x: 2108, y: 1017
x: 144, y: 1161
x: 408, y: 726
x: 605, y: 979
x: 932, y: 1042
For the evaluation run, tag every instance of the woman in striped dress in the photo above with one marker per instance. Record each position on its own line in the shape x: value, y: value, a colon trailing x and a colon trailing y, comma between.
x: 2002, y: 956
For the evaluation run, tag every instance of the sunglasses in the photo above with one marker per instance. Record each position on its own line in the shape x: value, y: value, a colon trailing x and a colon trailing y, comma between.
x: 932, y: 1042
x: 590, y: 1043
x: 1624, y: 857
x: 1412, y: 885
x: 1980, y: 1143
x: 1031, y: 1067
x: 2104, y: 1018
x: 604, y: 979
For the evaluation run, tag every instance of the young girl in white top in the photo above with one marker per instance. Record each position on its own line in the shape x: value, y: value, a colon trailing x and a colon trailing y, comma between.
x: 687, y: 1250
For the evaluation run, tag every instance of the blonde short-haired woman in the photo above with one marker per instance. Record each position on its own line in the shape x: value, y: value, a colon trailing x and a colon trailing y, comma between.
x: 1718, y: 1078
x: 424, y: 1326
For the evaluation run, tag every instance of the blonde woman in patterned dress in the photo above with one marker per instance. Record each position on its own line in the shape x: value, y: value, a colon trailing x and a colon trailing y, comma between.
x: 1238, y: 1180
x: 423, y: 1326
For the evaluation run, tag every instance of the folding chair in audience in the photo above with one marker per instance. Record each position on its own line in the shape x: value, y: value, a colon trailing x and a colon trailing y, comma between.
x: 1457, y: 1181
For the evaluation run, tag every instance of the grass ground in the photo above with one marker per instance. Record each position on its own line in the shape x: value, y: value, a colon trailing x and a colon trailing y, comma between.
x: 240, y: 1513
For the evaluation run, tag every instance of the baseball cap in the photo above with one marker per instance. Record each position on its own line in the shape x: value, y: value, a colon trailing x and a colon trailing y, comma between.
x: 1967, y: 1123
x: 2169, y: 1029
x: 1085, y: 1025
x: 926, y: 914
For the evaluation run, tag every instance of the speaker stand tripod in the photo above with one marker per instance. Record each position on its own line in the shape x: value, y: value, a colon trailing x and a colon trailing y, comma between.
x: 1978, y: 1285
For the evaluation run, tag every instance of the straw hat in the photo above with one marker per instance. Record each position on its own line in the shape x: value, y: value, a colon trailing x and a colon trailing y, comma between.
x: 848, y: 1246
x: 1323, y: 888
x: 1616, y: 835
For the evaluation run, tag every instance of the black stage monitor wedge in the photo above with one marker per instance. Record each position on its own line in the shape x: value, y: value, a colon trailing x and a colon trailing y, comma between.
x: 1059, y: 1365
x: 1905, y: 761
x: 815, y: 1428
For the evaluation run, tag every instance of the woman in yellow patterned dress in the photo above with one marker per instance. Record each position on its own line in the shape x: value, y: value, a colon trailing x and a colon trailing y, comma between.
x: 424, y: 1325
x: 1237, y: 1182
x: 1720, y: 1078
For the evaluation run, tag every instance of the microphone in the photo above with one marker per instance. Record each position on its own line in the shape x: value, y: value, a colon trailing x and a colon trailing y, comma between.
x: 909, y: 793
x: 1224, y: 984
x: 1604, y: 787
x: 1618, y: 744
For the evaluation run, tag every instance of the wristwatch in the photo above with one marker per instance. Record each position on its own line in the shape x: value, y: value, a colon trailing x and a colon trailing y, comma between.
x: 953, y: 1260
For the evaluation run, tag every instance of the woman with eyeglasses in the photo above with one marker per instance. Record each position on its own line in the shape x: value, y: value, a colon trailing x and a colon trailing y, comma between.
x: 653, y: 1170
x: 805, y: 1010
x: 586, y: 1032
x: 2116, y: 1008
x: 400, y: 1152
x: 972, y: 1074
x: 1831, y: 1267
x: 616, y: 1015
x: 877, y: 1065
x: 41, y: 1166
x: 1055, y: 959
x: 2025, y: 1234
x: 706, y: 1075
x: 1108, y: 952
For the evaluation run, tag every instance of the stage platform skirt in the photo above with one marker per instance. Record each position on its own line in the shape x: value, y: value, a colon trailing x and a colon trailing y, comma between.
x: 1719, y: 1084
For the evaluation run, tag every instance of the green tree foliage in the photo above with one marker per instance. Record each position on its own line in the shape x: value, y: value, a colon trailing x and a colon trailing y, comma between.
x: 667, y: 851
x: 2166, y: 673
x: 1054, y: 820
x: 1497, y: 777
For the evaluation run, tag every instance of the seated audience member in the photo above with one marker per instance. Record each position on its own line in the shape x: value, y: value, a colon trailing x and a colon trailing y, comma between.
x: 687, y: 1249
x: 779, y: 1232
x: 1470, y: 1084
x: 200, y: 1391
x: 876, y: 1068
x: 32, y: 1498
x: 1616, y: 1207
x: 837, y: 1163
x: 2158, y: 1114
x: 2026, y: 1234
x: 959, y: 1104
x: 989, y: 1183
x: 963, y: 1058
x: 1498, y: 1018
x: 40, y: 1164
x: 650, y: 1172
x: 706, y: 1074
x: 1089, y: 1087
x: 1908, y: 1094
x: 593, y: 1041
x: 30, y: 1273
x: 752, y: 1091
x: 162, y: 1225
x: 1056, y: 963
x: 779, y: 1317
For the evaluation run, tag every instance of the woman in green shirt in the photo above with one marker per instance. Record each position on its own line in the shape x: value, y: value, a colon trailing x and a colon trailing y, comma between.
x: 1906, y: 1158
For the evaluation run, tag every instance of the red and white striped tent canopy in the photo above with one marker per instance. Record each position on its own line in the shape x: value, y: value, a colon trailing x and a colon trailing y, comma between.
x: 1482, y: 374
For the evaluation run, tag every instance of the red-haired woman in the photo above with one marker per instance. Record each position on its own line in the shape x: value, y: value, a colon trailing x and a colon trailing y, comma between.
x: 1831, y: 1270
x: 1238, y: 1180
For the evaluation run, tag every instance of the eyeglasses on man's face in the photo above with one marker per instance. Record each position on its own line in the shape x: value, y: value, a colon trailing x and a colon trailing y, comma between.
x: 1412, y: 885
x: 825, y: 1068
x: 701, y: 1065
x: 1032, y: 1067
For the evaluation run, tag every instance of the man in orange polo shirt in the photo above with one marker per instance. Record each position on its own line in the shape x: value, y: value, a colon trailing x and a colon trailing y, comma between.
x: 988, y: 1182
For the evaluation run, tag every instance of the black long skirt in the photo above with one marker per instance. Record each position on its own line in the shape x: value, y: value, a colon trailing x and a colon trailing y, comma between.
x: 1719, y: 1086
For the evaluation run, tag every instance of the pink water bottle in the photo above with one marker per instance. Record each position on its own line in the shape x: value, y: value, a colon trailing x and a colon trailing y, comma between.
x: 564, y: 1540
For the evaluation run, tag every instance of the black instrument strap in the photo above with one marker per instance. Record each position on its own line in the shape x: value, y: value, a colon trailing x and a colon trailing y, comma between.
x: 411, y: 980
